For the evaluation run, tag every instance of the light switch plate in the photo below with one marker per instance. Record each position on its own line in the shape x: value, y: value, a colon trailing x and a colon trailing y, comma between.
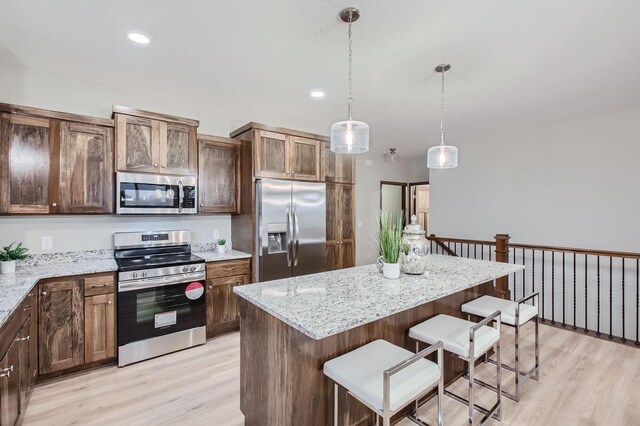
x: 368, y: 163
x: 46, y: 243
x: 216, y: 234
x: 359, y: 224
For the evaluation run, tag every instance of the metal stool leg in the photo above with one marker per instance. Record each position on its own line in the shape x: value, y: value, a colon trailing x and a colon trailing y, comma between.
x: 335, y: 404
x: 498, y: 382
x: 537, y: 366
x: 471, y: 368
x: 517, y: 366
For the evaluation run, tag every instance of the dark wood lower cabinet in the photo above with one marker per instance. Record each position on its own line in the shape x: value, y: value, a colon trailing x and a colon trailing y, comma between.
x: 61, y: 325
x: 99, y: 327
x: 10, y: 386
x: 222, y: 311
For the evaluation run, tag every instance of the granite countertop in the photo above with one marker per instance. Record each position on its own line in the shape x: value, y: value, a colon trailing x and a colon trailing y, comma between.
x: 213, y: 256
x: 328, y: 303
x: 15, y: 287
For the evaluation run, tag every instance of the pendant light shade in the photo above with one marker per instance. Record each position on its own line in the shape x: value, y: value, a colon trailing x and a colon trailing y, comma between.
x: 442, y: 156
x: 350, y: 136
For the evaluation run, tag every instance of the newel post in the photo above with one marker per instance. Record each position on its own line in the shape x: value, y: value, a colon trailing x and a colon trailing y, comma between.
x: 502, y: 255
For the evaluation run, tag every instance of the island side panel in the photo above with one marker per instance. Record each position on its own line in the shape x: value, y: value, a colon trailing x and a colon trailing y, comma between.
x: 281, y: 368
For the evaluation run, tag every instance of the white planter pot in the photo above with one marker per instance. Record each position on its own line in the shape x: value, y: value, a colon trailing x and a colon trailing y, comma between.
x: 8, y: 267
x: 222, y: 249
x: 391, y: 270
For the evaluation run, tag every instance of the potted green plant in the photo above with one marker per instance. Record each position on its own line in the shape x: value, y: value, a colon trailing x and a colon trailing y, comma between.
x: 222, y: 245
x: 8, y: 256
x: 389, y: 243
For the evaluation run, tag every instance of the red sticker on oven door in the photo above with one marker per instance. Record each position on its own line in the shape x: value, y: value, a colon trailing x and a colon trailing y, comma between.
x: 194, y: 291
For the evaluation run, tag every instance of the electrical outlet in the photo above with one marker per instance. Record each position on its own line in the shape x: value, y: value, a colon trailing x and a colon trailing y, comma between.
x: 216, y: 234
x: 46, y: 243
x: 359, y: 224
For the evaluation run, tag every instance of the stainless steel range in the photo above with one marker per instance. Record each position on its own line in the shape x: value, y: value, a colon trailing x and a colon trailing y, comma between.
x: 161, y: 301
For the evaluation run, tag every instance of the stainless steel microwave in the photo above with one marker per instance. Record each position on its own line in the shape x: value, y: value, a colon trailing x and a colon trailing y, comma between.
x: 139, y: 193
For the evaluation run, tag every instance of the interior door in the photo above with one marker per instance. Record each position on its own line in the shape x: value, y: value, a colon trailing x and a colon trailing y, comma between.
x: 276, y: 229
x: 309, y: 228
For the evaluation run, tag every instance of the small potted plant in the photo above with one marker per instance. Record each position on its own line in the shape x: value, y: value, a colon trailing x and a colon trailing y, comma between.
x: 390, y: 243
x: 222, y: 246
x: 9, y: 255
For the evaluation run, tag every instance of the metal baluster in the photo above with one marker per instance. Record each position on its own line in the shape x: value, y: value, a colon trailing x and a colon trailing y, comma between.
x: 448, y: 246
x: 524, y: 272
x: 598, y: 326
x: 468, y: 247
x: 455, y: 248
x: 637, y: 301
x: 586, y: 295
x: 481, y: 251
x: 574, y: 293
x: 564, y: 294
x: 490, y: 253
x: 610, y: 297
x: 475, y: 251
x: 624, y: 339
x: 533, y: 271
x: 512, y: 278
x: 553, y: 287
x: 543, y: 316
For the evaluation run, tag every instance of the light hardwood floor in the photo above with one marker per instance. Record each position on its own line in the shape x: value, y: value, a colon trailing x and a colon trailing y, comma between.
x: 584, y: 381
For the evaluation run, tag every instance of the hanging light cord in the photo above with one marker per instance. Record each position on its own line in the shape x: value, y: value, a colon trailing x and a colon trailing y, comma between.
x: 442, y: 112
x: 350, y: 98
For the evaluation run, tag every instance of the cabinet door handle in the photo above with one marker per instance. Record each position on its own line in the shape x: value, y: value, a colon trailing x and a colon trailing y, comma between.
x: 202, y: 205
x: 44, y: 293
x: 54, y: 204
x: 22, y: 339
x: 155, y: 165
x: 210, y: 287
x: 227, y: 269
x: 109, y: 302
x: 163, y: 166
x: 6, y: 372
x: 99, y: 285
x: 27, y: 308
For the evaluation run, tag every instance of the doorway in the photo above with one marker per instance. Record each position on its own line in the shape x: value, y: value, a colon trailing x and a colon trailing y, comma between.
x: 419, y: 203
x: 393, y: 196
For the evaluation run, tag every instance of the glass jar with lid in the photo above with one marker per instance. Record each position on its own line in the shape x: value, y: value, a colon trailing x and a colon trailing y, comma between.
x: 414, y: 249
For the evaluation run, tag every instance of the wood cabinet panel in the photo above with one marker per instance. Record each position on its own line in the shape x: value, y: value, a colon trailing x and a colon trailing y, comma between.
x: 304, y: 158
x: 10, y: 385
x: 25, y: 157
x: 178, y: 154
x: 99, y: 284
x: 135, y: 150
x: 99, y: 327
x: 340, y: 216
x: 271, y: 155
x: 229, y: 268
x: 22, y: 341
x: 86, y: 168
x: 219, y: 175
x: 222, y: 311
x: 338, y: 168
x: 61, y: 331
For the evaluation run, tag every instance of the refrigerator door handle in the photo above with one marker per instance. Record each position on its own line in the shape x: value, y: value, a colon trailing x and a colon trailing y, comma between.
x: 297, y: 236
x: 289, y: 236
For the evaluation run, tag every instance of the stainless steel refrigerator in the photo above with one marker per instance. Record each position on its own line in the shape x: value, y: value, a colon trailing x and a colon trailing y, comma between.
x: 291, y: 228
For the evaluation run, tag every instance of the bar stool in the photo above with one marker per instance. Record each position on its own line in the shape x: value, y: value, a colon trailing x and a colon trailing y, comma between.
x: 514, y: 314
x: 386, y: 378
x: 468, y: 341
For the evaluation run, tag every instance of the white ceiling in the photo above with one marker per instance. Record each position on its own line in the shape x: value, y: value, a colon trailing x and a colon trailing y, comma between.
x: 516, y: 63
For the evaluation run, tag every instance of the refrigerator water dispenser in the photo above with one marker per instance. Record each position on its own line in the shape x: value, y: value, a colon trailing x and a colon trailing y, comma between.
x: 277, y: 237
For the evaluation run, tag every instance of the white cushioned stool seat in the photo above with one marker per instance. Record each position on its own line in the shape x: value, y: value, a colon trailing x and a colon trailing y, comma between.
x: 486, y: 305
x: 454, y: 334
x: 361, y: 373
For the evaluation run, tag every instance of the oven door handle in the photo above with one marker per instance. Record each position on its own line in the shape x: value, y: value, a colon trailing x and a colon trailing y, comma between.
x: 159, y: 281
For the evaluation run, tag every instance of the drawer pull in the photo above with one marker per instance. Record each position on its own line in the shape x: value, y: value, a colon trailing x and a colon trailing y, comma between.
x: 210, y: 287
x: 27, y: 308
x: 99, y: 285
x: 6, y: 372
x: 228, y: 269
x: 109, y: 302
x: 22, y: 339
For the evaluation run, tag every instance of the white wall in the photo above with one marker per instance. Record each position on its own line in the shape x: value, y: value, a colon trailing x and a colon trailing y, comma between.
x: 572, y: 184
x: 370, y: 170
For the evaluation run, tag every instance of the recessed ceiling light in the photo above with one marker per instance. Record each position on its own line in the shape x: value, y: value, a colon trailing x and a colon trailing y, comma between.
x: 138, y: 38
x: 317, y: 94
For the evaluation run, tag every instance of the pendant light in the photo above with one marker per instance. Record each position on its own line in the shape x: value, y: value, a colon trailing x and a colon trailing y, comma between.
x: 350, y: 136
x: 442, y: 156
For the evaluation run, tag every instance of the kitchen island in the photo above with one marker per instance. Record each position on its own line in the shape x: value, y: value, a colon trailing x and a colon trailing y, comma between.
x: 289, y: 328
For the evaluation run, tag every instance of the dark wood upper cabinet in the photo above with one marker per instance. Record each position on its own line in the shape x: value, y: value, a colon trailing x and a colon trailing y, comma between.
x: 271, y: 152
x: 338, y: 167
x: 26, y: 152
x: 61, y: 325
x: 304, y: 158
x: 53, y: 162
x: 149, y: 142
x: 86, y: 168
x: 218, y: 175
